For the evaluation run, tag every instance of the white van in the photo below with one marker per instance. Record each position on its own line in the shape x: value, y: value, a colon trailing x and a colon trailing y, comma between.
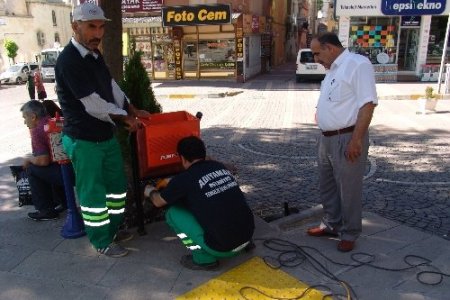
x: 48, y: 61
x: 307, y: 68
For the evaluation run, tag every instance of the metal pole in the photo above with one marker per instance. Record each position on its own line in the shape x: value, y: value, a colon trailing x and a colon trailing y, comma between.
x: 444, y: 53
x: 137, y: 185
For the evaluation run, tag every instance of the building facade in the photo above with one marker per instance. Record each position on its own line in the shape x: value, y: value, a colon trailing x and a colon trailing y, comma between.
x: 33, y: 25
x: 403, y: 39
x: 248, y: 43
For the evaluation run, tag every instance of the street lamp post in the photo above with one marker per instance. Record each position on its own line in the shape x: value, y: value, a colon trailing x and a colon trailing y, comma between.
x: 444, y: 53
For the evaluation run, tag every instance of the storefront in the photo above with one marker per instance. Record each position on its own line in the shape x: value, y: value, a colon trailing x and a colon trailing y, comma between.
x: 155, y: 42
x: 208, y: 51
x: 184, y: 44
x: 396, y: 35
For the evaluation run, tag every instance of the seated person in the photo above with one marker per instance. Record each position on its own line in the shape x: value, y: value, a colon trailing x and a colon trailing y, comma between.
x: 44, y: 176
x: 207, y: 209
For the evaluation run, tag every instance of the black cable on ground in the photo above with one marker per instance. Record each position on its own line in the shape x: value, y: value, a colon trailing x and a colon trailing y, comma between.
x: 291, y: 255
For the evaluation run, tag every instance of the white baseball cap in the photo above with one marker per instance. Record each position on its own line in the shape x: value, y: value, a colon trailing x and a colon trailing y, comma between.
x: 88, y: 12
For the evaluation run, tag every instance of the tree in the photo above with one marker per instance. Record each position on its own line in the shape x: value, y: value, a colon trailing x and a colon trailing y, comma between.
x: 137, y: 86
x: 112, y: 40
x: 11, y: 49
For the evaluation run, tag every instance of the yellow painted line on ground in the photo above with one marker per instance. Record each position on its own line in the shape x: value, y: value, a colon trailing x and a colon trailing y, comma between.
x: 181, y: 96
x: 252, y: 280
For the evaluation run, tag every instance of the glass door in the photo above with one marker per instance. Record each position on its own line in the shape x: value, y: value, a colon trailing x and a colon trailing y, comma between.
x: 408, y: 48
x: 190, y: 59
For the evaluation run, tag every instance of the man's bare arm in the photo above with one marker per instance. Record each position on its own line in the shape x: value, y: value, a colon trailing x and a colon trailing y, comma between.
x: 354, y: 147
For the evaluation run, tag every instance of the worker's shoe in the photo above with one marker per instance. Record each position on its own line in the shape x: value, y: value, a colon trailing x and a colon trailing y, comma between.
x: 43, y: 215
x: 346, y: 246
x: 123, y: 236
x: 60, y: 208
x: 319, y: 231
x: 113, y: 250
x: 250, y: 246
x: 188, y: 262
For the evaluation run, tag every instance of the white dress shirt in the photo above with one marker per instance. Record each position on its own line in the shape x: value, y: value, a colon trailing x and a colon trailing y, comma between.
x: 348, y: 85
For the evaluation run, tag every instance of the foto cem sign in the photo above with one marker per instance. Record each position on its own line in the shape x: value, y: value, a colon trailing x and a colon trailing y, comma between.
x: 412, y: 7
x: 196, y: 15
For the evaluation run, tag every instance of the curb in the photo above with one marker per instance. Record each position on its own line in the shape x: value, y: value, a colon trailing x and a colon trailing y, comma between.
x: 412, y: 97
x: 288, y: 223
x: 209, y: 95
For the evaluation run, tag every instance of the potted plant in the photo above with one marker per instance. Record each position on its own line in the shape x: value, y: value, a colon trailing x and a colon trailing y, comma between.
x: 429, y: 101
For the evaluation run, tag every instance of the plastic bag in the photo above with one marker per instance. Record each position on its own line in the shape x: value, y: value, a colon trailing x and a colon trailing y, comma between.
x: 23, y: 186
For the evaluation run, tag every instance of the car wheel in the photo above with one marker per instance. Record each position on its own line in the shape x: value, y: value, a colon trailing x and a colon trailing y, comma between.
x: 19, y: 80
x: 298, y: 78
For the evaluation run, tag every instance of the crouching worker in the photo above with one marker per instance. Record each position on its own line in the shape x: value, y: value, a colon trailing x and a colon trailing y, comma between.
x: 208, y: 210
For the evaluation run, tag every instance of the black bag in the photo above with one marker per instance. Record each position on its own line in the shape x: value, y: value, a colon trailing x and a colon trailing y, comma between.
x: 23, y: 186
x: 42, y: 94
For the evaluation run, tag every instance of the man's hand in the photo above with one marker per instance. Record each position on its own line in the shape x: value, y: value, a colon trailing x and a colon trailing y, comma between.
x: 149, y: 188
x: 26, y: 163
x: 40, y: 160
x: 151, y: 192
x: 131, y: 123
x: 138, y: 113
x: 354, y: 149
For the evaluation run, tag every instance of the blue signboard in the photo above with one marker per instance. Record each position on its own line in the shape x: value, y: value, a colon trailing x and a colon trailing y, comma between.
x: 412, y: 7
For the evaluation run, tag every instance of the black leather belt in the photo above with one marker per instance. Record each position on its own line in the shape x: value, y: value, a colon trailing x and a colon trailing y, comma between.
x: 339, y: 131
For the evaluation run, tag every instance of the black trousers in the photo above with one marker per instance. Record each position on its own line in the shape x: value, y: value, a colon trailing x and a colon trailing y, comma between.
x: 47, y: 186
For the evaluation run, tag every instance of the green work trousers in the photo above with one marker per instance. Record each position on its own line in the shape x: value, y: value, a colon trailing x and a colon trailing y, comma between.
x: 101, y: 186
x: 192, y: 235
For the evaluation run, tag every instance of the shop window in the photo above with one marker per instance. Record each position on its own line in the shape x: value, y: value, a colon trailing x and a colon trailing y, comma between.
x: 375, y: 38
x: 217, y: 55
x: 163, y: 56
x: 436, y: 40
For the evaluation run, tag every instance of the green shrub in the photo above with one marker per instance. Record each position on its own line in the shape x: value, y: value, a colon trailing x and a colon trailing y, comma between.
x: 429, y: 92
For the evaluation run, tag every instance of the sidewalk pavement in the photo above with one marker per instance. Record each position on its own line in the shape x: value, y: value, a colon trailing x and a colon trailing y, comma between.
x: 37, y: 263
x: 221, y: 89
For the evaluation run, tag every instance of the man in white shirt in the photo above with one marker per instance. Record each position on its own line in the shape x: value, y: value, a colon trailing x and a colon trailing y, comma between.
x: 347, y: 100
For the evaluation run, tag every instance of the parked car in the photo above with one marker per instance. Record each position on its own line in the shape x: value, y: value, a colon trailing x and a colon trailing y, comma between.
x: 307, y: 68
x: 18, y: 73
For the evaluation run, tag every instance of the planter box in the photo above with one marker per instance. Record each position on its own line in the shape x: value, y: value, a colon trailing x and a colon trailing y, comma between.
x: 426, y: 105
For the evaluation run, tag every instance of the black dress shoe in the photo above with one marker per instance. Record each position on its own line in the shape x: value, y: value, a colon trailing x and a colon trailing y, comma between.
x: 43, y: 216
x: 60, y: 208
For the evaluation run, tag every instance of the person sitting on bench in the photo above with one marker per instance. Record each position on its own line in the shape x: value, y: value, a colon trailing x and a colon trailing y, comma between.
x: 45, y: 178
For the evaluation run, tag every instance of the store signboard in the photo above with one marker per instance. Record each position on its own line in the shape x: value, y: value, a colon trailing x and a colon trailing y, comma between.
x: 412, y: 8
x: 131, y: 6
x: 411, y: 21
x: 350, y: 8
x: 196, y: 15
